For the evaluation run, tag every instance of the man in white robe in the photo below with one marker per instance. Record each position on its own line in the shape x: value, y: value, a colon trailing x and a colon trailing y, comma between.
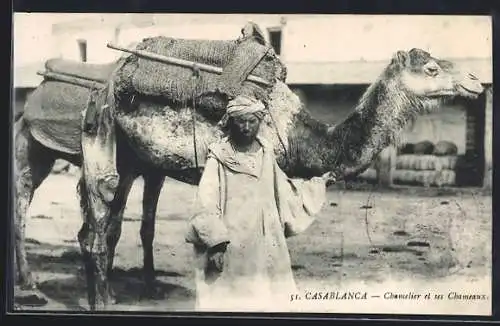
x: 246, y: 208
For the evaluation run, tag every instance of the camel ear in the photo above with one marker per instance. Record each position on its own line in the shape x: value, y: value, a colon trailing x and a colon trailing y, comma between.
x: 401, y: 58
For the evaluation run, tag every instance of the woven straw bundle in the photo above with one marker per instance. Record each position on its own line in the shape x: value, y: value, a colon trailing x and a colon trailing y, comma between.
x: 428, y: 162
x: 448, y: 162
x: 404, y: 176
x: 402, y: 161
x: 425, y: 162
x: 423, y: 148
x: 425, y: 178
x: 174, y: 85
x: 445, y: 178
x: 445, y: 148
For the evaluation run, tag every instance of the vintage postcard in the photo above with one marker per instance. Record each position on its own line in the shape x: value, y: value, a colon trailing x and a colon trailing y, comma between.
x: 253, y: 163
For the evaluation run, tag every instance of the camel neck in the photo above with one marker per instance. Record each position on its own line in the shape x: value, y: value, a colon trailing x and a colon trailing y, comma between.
x: 380, y: 115
x: 350, y: 146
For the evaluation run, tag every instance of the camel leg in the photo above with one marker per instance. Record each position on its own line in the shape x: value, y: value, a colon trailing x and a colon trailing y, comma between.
x: 33, y: 164
x: 116, y: 220
x: 86, y: 238
x: 93, y: 244
x: 153, y: 183
x: 101, y: 256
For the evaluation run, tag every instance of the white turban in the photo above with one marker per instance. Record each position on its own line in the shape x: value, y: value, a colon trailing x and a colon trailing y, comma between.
x: 243, y: 105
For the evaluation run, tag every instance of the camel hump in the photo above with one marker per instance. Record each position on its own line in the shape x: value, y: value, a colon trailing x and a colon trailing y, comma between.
x: 90, y: 71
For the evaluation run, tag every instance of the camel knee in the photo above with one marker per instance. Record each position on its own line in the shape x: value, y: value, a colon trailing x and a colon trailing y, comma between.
x: 107, y: 187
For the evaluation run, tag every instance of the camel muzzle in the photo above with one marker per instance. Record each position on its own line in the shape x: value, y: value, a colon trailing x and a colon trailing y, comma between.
x: 470, y: 85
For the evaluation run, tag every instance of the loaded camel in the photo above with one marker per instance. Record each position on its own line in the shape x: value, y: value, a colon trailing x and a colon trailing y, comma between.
x: 413, y: 83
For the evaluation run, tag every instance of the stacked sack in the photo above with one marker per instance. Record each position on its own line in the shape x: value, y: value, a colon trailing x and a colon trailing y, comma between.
x: 427, y: 164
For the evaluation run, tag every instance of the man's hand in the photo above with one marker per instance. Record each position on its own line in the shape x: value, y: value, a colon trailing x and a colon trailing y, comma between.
x: 215, y: 262
x: 329, y: 178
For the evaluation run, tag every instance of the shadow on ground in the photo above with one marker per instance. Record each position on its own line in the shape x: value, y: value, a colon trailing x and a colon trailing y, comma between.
x: 61, y: 281
x: 129, y: 291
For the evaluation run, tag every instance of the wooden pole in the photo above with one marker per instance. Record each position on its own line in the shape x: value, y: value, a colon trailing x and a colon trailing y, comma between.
x: 75, y: 75
x: 71, y: 79
x: 181, y: 62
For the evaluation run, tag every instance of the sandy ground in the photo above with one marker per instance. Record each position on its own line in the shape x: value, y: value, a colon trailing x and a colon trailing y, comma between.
x: 360, y: 238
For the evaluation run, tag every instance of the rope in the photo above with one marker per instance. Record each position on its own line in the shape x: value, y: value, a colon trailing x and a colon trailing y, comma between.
x: 196, y: 76
x: 279, y: 136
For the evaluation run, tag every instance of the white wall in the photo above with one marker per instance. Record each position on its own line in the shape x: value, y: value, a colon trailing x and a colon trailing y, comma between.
x: 31, y: 42
x: 97, y: 52
x: 350, y: 37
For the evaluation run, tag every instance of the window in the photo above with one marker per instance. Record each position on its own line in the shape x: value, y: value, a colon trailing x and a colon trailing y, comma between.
x: 275, y: 39
x: 82, y: 49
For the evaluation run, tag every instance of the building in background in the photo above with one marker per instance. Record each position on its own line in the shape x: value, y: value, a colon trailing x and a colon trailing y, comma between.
x: 331, y: 59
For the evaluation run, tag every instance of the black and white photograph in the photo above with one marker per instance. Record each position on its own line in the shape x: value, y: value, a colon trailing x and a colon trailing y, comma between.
x: 277, y: 163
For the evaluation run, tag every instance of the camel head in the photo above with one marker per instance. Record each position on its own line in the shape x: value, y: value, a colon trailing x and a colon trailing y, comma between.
x: 427, y: 77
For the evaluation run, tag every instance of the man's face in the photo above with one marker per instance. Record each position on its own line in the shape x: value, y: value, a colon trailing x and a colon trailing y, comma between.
x: 245, y: 127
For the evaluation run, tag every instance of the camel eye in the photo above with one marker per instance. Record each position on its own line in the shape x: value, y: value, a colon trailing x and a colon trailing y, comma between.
x: 432, y: 71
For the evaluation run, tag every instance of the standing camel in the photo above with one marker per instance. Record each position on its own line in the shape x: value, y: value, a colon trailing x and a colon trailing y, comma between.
x: 413, y: 83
